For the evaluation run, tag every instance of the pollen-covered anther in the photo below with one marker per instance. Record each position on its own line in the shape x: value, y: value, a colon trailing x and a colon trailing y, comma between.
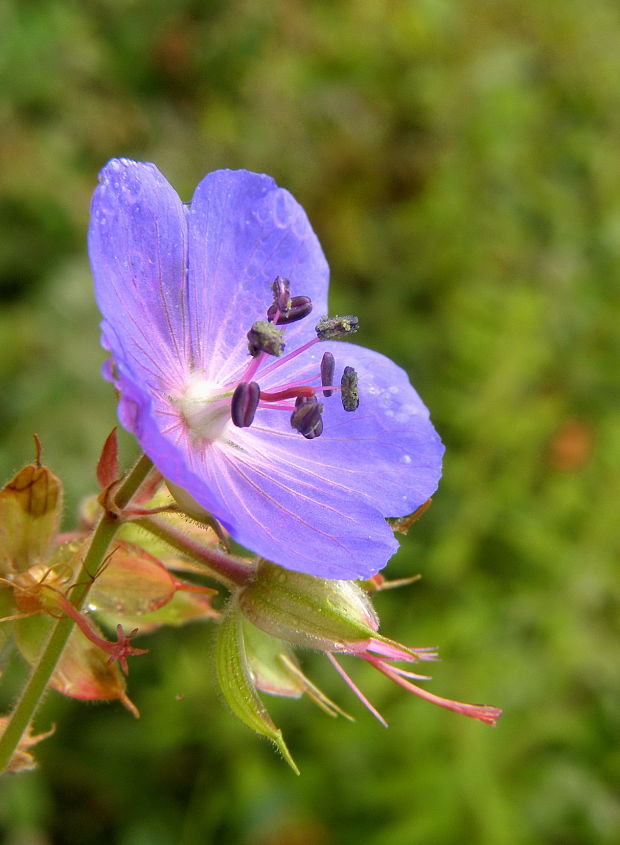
x: 244, y: 403
x: 306, y: 418
x: 296, y: 309
x: 334, y: 328
x: 265, y: 337
x: 349, y: 389
x: 328, y: 366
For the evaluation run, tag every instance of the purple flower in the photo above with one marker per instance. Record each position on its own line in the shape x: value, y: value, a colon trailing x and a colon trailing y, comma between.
x: 185, y: 291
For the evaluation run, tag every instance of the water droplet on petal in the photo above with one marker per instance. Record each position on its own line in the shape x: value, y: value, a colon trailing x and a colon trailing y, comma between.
x: 281, y: 213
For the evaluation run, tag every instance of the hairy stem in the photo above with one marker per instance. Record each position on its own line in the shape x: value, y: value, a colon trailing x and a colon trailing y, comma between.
x: 44, y: 669
x: 231, y: 570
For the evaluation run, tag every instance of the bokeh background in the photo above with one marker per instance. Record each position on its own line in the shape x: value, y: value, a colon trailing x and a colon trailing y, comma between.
x: 460, y: 162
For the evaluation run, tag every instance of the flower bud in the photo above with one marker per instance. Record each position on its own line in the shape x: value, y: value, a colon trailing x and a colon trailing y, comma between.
x: 315, y: 612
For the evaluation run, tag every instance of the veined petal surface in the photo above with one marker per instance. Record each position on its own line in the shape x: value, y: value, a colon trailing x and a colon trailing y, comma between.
x: 138, y: 251
x: 243, y: 232
x: 179, y: 288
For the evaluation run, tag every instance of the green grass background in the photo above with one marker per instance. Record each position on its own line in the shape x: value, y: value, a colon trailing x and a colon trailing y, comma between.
x: 460, y: 162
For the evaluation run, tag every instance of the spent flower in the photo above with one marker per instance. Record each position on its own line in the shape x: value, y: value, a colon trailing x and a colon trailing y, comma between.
x: 38, y: 570
x: 207, y: 315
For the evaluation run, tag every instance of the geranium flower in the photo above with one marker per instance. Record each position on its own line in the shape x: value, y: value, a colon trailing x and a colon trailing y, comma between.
x: 185, y: 292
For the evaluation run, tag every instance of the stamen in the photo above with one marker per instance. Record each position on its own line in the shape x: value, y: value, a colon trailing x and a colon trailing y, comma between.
x: 206, y: 409
x: 297, y: 308
x: 244, y: 403
x: 334, y: 328
x: 349, y: 681
x: 306, y: 418
x: 281, y: 288
x: 328, y: 365
x: 289, y: 357
x: 265, y: 337
x: 350, y: 393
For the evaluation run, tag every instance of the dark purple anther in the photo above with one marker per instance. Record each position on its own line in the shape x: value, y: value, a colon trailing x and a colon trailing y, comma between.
x: 349, y: 393
x: 306, y: 418
x: 265, y: 337
x: 244, y: 403
x: 333, y: 328
x: 298, y: 308
x: 281, y: 294
x: 328, y: 365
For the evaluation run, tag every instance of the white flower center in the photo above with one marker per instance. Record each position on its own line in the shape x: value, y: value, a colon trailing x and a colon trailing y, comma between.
x: 205, y: 408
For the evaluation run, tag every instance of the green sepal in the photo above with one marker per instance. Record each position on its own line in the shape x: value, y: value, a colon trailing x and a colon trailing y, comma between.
x: 327, y: 615
x: 264, y: 655
x: 275, y: 669
x: 236, y: 682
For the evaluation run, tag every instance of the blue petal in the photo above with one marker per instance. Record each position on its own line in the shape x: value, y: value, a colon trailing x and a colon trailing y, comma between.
x: 243, y: 232
x: 138, y: 251
x: 178, y: 292
x: 387, y: 451
x: 319, y: 506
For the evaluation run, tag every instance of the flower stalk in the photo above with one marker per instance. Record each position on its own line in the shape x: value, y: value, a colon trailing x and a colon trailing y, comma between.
x: 42, y: 672
x: 232, y: 571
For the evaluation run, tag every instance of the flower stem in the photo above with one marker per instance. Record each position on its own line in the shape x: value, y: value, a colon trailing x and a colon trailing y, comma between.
x: 44, y: 669
x: 231, y: 570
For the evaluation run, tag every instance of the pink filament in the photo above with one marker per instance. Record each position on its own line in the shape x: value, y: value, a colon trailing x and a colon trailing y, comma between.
x: 356, y: 689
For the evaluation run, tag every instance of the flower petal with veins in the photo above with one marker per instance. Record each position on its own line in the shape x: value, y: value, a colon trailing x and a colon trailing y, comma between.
x: 179, y: 287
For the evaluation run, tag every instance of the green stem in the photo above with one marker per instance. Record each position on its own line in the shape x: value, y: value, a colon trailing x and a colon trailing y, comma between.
x: 42, y: 672
x: 231, y: 570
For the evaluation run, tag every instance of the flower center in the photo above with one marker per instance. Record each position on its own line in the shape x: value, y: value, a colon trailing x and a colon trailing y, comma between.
x: 207, y: 408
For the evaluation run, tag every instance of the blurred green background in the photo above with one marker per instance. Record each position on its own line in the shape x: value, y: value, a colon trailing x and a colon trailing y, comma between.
x: 460, y: 162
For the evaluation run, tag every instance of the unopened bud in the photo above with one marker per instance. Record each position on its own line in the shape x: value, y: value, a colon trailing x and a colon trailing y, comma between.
x: 324, y: 614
